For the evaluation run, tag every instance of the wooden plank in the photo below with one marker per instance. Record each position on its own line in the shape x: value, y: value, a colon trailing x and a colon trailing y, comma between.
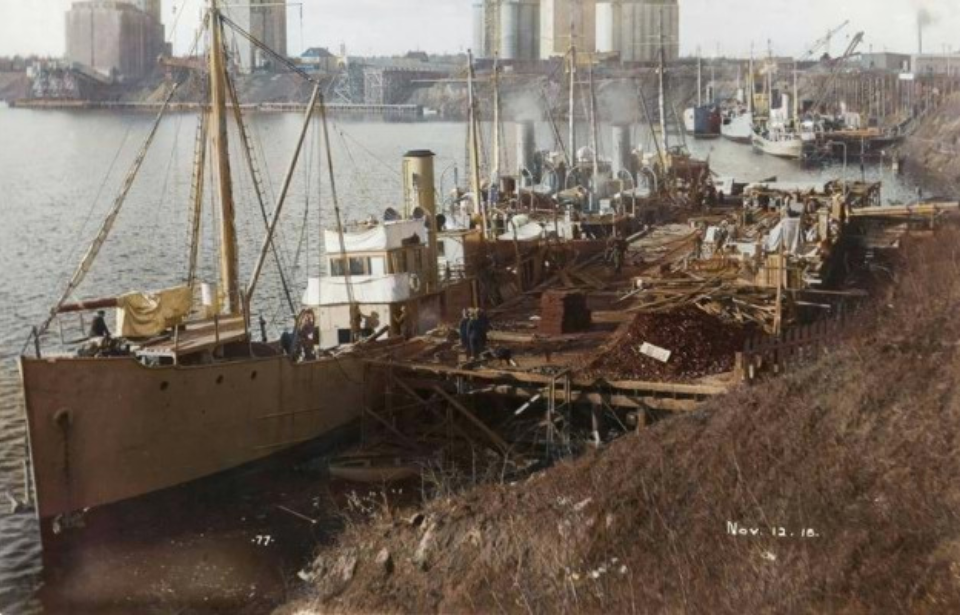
x: 703, y: 390
x: 501, y: 444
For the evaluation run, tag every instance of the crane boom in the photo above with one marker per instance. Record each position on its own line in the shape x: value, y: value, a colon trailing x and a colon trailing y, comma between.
x: 838, y: 63
x: 824, y: 42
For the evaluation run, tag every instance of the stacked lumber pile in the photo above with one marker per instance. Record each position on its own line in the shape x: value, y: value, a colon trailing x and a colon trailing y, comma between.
x: 563, y: 312
x: 722, y: 295
x: 698, y: 344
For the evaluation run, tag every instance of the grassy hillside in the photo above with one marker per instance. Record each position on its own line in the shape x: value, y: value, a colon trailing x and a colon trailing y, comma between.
x: 860, y: 450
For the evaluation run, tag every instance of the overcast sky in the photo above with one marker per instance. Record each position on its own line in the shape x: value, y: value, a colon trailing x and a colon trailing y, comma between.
x: 388, y: 26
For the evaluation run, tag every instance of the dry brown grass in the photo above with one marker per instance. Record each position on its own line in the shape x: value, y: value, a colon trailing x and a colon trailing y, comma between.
x: 861, y: 447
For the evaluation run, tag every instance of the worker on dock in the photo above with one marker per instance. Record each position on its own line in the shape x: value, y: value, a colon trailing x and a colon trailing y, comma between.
x: 98, y: 328
x: 477, y: 329
x: 464, y: 331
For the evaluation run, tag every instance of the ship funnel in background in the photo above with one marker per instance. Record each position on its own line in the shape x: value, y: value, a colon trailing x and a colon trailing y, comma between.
x: 418, y: 188
x: 621, y: 149
x: 419, y: 191
x: 526, y: 151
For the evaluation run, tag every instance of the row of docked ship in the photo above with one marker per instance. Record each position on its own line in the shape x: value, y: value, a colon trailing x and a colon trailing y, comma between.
x: 189, y: 384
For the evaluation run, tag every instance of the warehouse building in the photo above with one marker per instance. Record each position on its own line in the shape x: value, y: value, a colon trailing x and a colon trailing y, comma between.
x: 266, y: 21
x: 634, y: 30
x: 116, y: 39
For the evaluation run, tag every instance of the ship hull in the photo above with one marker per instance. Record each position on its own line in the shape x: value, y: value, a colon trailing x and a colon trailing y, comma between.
x: 106, y: 430
x: 791, y: 149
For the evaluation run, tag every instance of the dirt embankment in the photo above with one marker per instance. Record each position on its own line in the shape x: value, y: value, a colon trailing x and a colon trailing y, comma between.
x: 932, y: 153
x: 835, y: 489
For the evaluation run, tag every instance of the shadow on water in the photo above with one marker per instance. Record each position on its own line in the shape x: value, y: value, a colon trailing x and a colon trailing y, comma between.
x: 232, y: 543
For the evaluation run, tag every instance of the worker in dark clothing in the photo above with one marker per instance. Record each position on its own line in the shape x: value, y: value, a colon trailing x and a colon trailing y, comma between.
x: 483, y: 323
x: 477, y: 329
x: 464, y: 331
x: 98, y: 328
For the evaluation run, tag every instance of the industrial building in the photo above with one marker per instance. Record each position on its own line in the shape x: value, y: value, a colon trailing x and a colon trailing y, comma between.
x: 885, y: 61
x: 936, y: 64
x: 634, y: 30
x: 541, y: 29
x: 509, y: 29
x: 266, y: 21
x: 556, y: 18
x: 117, y: 39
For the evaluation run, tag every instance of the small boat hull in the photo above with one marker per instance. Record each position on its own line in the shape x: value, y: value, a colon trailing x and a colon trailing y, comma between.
x: 791, y: 149
x: 102, y: 430
x: 373, y: 471
x: 738, y: 129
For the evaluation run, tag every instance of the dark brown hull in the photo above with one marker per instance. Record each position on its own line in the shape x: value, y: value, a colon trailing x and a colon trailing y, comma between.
x: 106, y: 430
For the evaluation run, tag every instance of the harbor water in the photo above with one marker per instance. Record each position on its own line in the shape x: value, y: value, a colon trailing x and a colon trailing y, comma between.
x: 60, y: 172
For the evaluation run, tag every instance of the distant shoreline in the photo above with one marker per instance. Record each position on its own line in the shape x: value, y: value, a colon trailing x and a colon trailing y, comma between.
x: 384, y: 111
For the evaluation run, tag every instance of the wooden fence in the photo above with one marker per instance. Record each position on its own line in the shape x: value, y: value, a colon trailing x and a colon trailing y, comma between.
x: 795, y: 346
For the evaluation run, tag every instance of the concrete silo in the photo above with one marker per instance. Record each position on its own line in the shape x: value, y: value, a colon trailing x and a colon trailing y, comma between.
x: 641, y: 22
x: 528, y: 35
x: 509, y: 30
x: 519, y: 29
x: 608, y: 26
x: 479, y: 29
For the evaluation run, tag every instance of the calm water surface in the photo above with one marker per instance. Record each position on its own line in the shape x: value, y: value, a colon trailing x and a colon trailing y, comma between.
x: 59, y: 173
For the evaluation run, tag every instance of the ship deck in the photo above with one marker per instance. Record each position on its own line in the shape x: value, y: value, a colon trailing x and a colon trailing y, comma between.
x: 561, y: 365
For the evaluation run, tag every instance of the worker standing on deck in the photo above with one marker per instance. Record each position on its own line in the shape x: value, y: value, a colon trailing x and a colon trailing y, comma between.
x: 477, y: 328
x: 98, y: 328
x: 465, y: 331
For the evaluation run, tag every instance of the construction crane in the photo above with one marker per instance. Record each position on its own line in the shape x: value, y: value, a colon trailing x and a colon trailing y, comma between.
x: 823, y: 43
x: 837, y: 65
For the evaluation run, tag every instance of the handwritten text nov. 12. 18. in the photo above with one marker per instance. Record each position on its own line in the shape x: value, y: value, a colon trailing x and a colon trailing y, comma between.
x: 735, y: 529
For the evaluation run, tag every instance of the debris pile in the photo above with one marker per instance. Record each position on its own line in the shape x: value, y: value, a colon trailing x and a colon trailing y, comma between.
x: 563, y: 312
x: 699, y: 345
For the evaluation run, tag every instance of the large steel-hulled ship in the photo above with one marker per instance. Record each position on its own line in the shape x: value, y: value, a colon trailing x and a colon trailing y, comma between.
x: 180, y: 390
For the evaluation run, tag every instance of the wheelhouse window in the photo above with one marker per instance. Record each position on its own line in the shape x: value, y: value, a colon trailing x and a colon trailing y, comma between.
x: 358, y: 266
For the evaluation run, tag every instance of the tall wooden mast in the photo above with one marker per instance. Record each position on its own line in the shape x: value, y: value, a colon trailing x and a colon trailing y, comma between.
x: 229, y: 259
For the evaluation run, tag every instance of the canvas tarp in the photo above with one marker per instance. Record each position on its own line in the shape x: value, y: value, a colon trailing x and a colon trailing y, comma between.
x: 528, y: 232
x: 787, y: 231
x: 392, y: 288
x: 146, y: 314
x: 385, y: 236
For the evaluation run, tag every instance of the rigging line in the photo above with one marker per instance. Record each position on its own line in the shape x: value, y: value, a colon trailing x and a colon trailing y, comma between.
x: 281, y: 199
x: 171, y: 163
x: 354, y: 309
x: 108, y: 224
x: 71, y: 256
x: 366, y: 150
x: 200, y: 155
x: 364, y: 188
x: 264, y: 47
x: 251, y: 164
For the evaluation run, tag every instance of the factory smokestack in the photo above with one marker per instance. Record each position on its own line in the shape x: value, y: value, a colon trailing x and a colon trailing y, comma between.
x: 924, y: 19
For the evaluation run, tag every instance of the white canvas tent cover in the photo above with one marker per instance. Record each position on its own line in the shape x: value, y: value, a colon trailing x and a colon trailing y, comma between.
x: 384, y: 236
x: 393, y: 288
x: 789, y: 187
x: 527, y: 232
x: 788, y: 233
x: 147, y: 314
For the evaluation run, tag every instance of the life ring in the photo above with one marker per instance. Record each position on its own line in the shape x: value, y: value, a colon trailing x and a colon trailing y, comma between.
x: 415, y: 283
